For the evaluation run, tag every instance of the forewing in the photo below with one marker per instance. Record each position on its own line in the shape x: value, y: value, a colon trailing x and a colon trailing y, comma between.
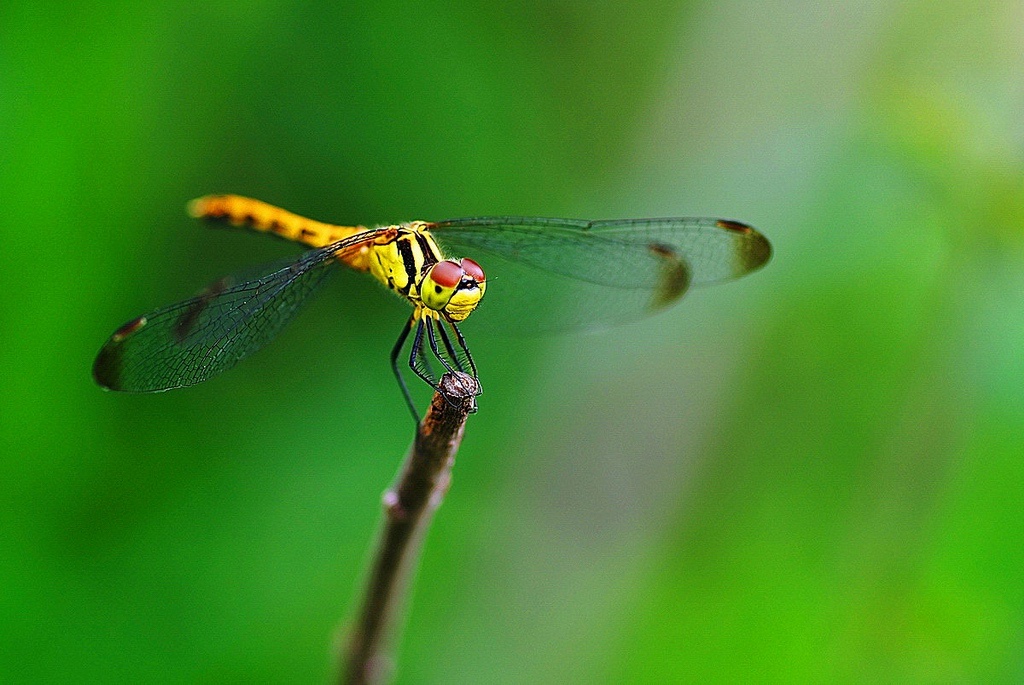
x: 556, y: 274
x: 188, y: 342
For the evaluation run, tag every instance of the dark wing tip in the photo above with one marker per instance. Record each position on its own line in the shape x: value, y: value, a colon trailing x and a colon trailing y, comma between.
x: 753, y: 249
x: 106, y: 370
x: 674, y: 279
x: 758, y: 252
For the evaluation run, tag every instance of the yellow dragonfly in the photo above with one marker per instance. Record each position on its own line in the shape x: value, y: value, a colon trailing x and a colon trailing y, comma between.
x: 545, y: 274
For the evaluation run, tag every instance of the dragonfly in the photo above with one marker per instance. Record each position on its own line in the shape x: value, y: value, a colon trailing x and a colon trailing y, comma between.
x: 546, y: 275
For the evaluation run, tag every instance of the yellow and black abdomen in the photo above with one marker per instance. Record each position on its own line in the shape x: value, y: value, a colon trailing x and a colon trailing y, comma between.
x: 261, y: 216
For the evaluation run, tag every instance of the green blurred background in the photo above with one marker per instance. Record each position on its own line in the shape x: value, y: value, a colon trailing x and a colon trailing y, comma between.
x: 813, y: 474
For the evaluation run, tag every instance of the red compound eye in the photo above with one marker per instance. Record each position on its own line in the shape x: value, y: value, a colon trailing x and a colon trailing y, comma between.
x: 473, y: 270
x: 446, y: 274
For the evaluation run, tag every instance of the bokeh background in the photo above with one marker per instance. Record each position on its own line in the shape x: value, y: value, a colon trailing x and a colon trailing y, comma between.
x: 813, y: 474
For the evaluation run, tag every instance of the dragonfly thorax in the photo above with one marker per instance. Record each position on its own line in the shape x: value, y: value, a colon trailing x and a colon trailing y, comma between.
x: 409, y: 262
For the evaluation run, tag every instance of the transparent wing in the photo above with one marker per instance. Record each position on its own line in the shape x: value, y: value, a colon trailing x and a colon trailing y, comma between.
x: 188, y: 342
x: 556, y: 274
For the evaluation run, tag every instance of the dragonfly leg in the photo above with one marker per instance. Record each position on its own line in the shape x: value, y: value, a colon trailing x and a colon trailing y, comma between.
x: 451, y: 351
x: 418, y: 361
x: 452, y: 354
x: 432, y: 338
x: 465, y: 349
x: 397, y: 350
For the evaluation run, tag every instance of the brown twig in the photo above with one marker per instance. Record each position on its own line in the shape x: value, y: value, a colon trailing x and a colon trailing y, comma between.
x: 408, y: 507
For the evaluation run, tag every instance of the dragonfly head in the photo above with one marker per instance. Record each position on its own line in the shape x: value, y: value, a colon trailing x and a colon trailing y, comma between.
x: 453, y: 288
